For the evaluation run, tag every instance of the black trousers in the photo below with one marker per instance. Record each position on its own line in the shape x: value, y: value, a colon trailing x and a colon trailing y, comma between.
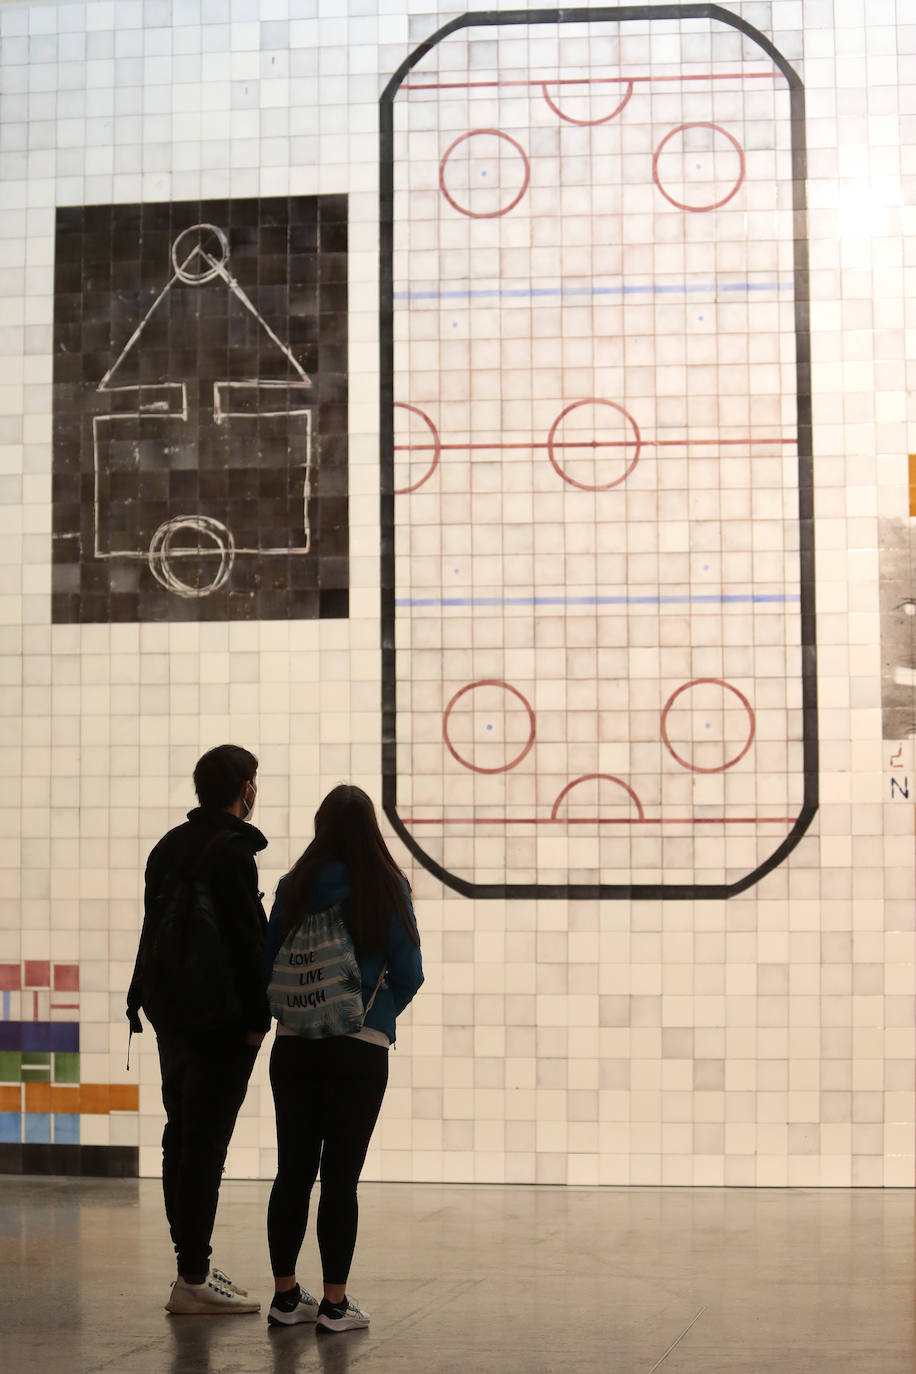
x: 327, y: 1095
x: 202, y: 1091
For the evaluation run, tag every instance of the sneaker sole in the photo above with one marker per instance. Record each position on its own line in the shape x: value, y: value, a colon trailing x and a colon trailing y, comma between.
x: 344, y: 1324
x: 288, y: 1319
x: 242, y: 1309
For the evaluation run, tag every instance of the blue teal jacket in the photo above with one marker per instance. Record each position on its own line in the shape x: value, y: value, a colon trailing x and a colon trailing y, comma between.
x: 402, y: 956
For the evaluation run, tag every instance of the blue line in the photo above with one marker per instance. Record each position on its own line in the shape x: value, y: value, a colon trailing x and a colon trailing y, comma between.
x: 6, y: 1004
x: 674, y: 599
x: 533, y: 292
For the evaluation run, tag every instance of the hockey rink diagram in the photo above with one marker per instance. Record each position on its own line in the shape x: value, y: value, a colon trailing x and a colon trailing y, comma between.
x: 596, y: 509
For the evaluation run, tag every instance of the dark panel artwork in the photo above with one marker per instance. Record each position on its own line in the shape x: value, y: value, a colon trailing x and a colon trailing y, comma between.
x: 200, y: 411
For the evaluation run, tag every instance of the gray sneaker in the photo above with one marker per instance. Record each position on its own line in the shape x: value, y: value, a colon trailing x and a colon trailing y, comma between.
x: 306, y: 1310
x: 218, y: 1276
x: 341, y: 1316
x: 209, y: 1298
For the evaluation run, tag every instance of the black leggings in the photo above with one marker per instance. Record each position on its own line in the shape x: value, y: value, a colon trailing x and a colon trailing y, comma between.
x: 327, y: 1095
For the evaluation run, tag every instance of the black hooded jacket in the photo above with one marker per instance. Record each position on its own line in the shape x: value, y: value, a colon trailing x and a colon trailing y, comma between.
x: 233, y: 878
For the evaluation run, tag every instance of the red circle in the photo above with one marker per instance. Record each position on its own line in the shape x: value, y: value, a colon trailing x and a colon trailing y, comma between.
x: 700, y: 124
x: 593, y: 443
x: 488, y: 682
x: 590, y: 777
x: 489, y: 214
x: 590, y: 123
x: 437, y: 447
x: 697, y: 682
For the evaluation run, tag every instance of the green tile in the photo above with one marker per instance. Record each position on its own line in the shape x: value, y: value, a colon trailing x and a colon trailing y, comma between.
x: 10, y: 1066
x: 36, y: 1057
x: 66, y: 1067
x: 36, y: 1074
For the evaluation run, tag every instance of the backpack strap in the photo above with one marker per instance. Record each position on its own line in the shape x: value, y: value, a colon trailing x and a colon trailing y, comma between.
x: 368, y: 1006
x: 197, y: 866
x: 217, y: 841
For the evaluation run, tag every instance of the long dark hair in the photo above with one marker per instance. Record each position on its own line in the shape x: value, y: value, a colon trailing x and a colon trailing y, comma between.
x: 346, y: 829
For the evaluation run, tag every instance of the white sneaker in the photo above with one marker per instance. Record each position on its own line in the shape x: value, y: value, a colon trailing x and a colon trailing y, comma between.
x: 306, y: 1310
x: 343, y: 1316
x: 207, y: 1299
x: 218, y: 1276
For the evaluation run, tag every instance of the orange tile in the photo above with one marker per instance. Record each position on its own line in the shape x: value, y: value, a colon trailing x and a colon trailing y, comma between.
x: 37, y: 1097
x: 11, y: 1098
x: 65, y: 1097
x: 94, y: 1098
x: 124, y: 1097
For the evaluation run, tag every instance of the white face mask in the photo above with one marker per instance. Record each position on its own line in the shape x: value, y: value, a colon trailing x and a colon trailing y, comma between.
x: 249, y: 805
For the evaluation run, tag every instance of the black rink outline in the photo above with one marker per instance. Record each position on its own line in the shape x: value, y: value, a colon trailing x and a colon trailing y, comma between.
x: 593, y: 891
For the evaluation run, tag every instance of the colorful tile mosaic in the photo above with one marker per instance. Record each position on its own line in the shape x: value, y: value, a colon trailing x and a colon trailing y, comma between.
x: 41, y: 1096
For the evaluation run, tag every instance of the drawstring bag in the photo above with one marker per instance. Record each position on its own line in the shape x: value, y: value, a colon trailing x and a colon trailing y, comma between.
x: 316, y: 988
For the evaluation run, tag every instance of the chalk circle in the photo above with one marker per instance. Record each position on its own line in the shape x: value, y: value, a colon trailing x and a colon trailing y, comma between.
x: 488, y: 703
x: 163, y: 552
x: 203, y: 244
x: 429, y: 441
x: 629, y: 798
x: 581, y: 430
x: 703, y: 706
x: 490, y: 179
x: 583, y: 101
x: 698, y: 160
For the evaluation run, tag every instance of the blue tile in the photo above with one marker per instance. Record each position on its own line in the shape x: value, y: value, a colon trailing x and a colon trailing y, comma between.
x: 10, y: 1127
x: 38, y: 1128
x: 36, y: 1035
x: 65, y: 1035
x: 41, y: 1035
x: 66, y: 1128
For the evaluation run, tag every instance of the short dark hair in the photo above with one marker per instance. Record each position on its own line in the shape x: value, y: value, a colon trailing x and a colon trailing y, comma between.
x: 222, y: 773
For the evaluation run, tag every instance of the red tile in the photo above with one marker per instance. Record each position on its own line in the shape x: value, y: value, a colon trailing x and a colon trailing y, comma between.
x: 9, y: 976
x: 66, y: 977
x: 37, y: 973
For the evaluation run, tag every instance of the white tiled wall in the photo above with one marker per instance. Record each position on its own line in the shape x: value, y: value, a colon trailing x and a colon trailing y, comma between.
x: 766, y: 1040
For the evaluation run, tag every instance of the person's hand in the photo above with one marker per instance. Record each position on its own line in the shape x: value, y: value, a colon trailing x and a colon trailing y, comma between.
x: 254, y: 1037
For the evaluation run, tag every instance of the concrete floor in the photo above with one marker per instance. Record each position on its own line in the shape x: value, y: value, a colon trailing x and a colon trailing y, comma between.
x: 478, y: 1280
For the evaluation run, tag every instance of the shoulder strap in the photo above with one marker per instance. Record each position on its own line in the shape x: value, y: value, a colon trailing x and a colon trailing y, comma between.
x: 196, y: 866
x: 381, y: 977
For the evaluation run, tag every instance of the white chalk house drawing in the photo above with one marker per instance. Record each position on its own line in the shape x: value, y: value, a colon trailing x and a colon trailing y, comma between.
x: 596, y: 510
x: 195, y: 539
x: 200, y: 402
x: 897, y: 541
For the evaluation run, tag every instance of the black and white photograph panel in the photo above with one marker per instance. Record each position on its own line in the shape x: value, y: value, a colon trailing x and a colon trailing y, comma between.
x: 200, y: 403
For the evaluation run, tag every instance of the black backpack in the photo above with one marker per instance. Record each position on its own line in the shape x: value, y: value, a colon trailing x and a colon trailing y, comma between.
x: 187, y: 986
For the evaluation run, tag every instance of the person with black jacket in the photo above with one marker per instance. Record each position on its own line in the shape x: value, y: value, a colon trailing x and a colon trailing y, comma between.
x: 206, y: 1068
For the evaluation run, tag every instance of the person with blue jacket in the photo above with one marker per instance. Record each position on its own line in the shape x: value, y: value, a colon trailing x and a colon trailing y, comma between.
x: 328, y: 1091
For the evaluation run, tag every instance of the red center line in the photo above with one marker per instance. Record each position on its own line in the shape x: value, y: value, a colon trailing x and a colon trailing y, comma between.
x: 600, y: 820
x: 587, y: 443
x: 588, y: 81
